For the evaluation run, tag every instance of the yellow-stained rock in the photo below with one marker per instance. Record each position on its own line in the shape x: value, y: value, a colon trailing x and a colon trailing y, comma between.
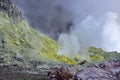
x: 21, y: 39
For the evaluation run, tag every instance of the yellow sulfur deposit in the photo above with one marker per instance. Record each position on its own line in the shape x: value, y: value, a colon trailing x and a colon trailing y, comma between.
x: 97, y: 58
x: 25, y: 42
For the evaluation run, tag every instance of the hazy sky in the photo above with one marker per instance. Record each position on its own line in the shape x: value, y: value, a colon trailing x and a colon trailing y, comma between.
x: 81, y: 8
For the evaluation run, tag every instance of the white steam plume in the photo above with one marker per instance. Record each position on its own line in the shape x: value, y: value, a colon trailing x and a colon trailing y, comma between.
x: 103, y: 32
x: 111, y: 33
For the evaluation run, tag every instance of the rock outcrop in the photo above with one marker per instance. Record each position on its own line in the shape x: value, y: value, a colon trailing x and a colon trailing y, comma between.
x: 12, y: 11
x: 109, y: 70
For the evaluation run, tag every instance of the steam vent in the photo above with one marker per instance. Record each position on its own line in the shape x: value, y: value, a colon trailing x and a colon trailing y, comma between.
x: 27, y: 54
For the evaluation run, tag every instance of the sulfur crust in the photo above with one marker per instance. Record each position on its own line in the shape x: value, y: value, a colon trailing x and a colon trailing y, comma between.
x: 22, y: 39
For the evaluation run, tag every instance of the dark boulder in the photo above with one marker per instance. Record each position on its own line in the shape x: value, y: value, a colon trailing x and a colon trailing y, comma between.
x: 103, y: 71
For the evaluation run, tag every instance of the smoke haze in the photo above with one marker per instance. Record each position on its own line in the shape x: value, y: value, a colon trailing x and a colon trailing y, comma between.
x: 76, y: 23
x: 103, y: 32
x: 49, y: 17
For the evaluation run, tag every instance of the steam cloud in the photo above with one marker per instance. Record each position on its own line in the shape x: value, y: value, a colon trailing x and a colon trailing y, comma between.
x: 49, y: 17
x: 103, y: 32
x: 111, y: 33
x: 76, y: 24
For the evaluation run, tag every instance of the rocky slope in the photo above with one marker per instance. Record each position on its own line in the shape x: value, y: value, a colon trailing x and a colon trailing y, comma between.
x: 20, y: 41
x: 26, y: 54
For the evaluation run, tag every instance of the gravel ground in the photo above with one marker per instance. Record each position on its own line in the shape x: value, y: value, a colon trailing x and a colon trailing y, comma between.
x: 14, y: 72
